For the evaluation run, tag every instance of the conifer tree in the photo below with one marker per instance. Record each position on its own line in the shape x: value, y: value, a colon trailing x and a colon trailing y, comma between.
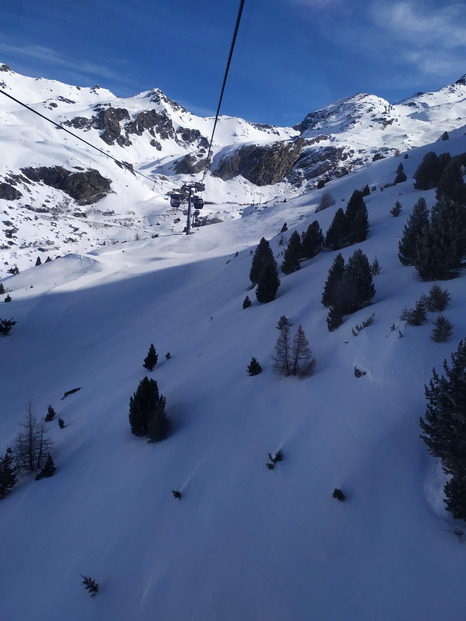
x: 334, y: 278
x: 357, y: 278
x: 281, y: 359
x: 302, y: 362
x: 334, y: 318
x: 356, y: 219
x: 444, y: 427
x: 336, y: 235
x: 268, y: 284
x: 50, y: 414
x: 412, y: 231
x: 254, y: 368
x: 312, y: 240
x: 7, y: 473
x: 400, y: 174
x: 32, y: 445
x: 147, y: 409
x: 451, y: 184
x: 443, y: 329
x: 293, y: 254
x: 246, y: 302
x: 441, y: 248
x: 151, y: 359
x: 48, y: 469
x: 262, y: 255
x: 426, y: 174
x: 396, y: 210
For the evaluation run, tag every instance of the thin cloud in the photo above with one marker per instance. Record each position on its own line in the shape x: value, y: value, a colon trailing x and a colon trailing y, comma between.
x: 51, y: 57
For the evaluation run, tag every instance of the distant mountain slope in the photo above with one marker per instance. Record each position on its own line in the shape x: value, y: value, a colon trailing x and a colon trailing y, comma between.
x: 147, y: 145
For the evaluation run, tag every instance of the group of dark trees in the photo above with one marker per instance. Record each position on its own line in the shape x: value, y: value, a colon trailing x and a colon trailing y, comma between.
x: 293, y: 357
x: 444, y: 427
x: 349, y: 287
x: 305, y: 247
x: 350, y: 226
x: 31, y: 453
x: 435, y: 243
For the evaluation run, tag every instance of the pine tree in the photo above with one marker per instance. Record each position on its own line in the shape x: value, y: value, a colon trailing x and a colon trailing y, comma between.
x: 334, y: 278
x: 254, y: 368
x: 437, y: 299
x: 281, y: 359
x: 293, y: 254
x: 302, y: 362
x: 48, y: 469
x: 6, y: 325
x: 443, y: 329
x: 336, y: 235
x: 32, y: 445
x: 357, y: 280
x: 356, y: 219
x: 151, y: 359
x: 400, y: 174
x: 262, y: 256
x: 451, y: 184
x: 334, y: 318
x: 7, y: 473
x: 412, y: 231
x: 426, y: 174
x: 444, y: 426
x: 268, y: 284
x: 396, y: 210
x: 441, y: 247
x: 147, y: 408
x: 312, y: 240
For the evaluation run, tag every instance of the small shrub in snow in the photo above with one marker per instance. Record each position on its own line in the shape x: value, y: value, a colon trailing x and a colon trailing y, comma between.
x: 168, y: 355
x: 246, y: 302
x: 282, y: 322
x: 438, y: 299
x: 338, y: 494
x: 442, y: 330
x: 254, y: 368
x: 8, y: 298
x: 50, y: 414
x: 91, y: 586
x: 48, y: 470
x: 415, y: 316
x: 375, y: 267
x: 358, y: 372
x: 396, y: 210
x: 6, y: 325
x: 176, y: 494
x: 61, y: 423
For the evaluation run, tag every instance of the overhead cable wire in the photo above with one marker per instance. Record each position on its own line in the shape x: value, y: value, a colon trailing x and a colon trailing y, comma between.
x: 232, y: 46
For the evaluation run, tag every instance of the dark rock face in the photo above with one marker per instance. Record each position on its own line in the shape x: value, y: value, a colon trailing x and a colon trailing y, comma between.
x: 262, y: 165
x: 190, y: 165
x: 87, y: 187
x: 8, y: 192
x: 108, y: 121
x: 315, y: 162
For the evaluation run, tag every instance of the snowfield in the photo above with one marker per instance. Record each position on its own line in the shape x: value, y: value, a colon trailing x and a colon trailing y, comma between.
x: 243, y: 542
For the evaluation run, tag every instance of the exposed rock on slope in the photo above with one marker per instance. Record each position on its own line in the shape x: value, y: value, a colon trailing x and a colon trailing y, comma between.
x: 87, y: 187
x: 262, y: 165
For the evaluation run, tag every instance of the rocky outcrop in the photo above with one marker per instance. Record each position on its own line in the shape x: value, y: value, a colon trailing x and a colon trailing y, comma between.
x: 8, y: 192
x: 190, y: 165
x: 87, y: 187
x: 261, y: 165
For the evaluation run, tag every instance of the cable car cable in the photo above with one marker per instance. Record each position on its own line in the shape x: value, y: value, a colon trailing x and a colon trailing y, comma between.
x: 232, y: 46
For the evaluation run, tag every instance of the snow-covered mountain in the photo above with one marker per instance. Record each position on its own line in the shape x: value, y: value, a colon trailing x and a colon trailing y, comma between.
x: 141, y: 148
x: 243, y: 542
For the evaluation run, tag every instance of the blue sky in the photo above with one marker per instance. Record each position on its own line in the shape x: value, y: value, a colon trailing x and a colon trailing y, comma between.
x: 291, y: 56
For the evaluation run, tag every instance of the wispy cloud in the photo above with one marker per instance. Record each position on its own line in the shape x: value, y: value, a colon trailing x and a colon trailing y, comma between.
x: 52, y: 58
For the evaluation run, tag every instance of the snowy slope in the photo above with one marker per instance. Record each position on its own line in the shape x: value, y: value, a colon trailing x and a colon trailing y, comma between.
x: 243, y: 542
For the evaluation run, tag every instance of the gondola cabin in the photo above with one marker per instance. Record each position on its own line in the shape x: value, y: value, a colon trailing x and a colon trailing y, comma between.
x: 198, y: 202
x: 175, y: 200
